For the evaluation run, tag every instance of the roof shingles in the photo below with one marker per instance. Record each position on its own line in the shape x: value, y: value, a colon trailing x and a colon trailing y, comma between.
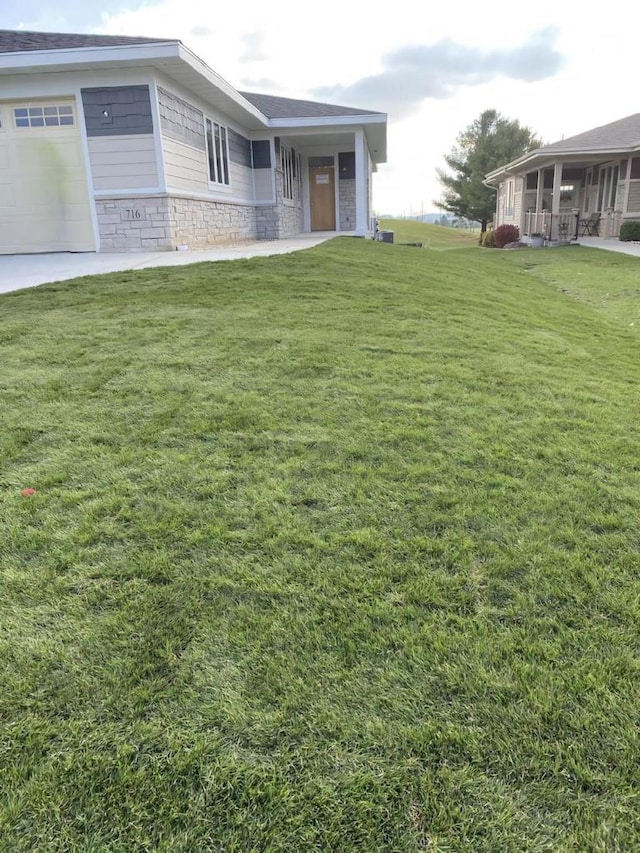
x: 15, y: 41
x: 272, y: 106
x: 619, y: 135
x: 275, y: 107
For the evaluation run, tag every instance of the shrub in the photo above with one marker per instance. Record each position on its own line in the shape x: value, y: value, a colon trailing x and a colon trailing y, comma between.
x: 630, y: 231
x: 505, y: 234
x: 488, y: 241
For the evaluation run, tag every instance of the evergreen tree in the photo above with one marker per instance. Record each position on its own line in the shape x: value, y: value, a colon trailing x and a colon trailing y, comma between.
x: 488, y: 142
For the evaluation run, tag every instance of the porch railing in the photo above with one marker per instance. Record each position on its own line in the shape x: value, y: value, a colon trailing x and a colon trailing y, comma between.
x: 553, y: 226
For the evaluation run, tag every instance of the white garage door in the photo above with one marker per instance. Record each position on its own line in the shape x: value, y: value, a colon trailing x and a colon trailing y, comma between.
x: 44, y: 200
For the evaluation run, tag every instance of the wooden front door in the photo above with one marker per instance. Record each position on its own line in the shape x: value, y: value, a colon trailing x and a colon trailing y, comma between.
x: 322, y: 196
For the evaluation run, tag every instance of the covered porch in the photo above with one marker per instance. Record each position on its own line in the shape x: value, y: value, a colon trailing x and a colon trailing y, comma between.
x: 324, y: 178
x: 568, y: 199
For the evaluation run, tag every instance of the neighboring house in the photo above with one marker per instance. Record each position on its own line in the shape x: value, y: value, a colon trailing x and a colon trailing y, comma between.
x: 110, y: 143
x: 594, y: 174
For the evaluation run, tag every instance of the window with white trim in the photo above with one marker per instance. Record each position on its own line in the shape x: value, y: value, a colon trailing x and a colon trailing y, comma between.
x: 217, y: 152
x: 508, y: 203
x: 290, y: 165
x: 49, y: 116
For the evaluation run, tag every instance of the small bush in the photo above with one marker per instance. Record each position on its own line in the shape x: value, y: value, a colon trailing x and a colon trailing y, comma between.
x: 505, y: 234
x: 630, y: 231
x: 488, y: 241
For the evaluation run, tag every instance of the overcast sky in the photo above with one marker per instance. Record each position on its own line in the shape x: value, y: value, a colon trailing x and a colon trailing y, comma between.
x: 558, y: 68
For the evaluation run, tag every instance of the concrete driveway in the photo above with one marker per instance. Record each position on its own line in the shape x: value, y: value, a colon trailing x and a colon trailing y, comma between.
x: 20, y: 271
x: 611, y: 245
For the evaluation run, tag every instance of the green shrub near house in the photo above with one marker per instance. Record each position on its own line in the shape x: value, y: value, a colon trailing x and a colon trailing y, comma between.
x: 629, y: 231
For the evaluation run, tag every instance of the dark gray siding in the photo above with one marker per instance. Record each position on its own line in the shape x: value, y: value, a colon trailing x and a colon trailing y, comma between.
x: 239, y: 149
x: 128, y: 110
x: 347, y: 165
x: 181, y: 121
x: 261, y: 154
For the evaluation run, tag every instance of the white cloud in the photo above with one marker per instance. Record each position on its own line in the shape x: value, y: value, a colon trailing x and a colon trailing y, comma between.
x: 253, y: 50
x: 413, y: 73
x: 297, y: 52
x: 260, y: 84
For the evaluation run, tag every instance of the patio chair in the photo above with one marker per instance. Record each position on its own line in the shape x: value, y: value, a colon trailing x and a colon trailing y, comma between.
x: 590, y: 225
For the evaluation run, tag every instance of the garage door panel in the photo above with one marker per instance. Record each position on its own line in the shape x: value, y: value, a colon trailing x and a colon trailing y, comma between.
x: 44, y: 199
x: 51, y: 191
x: 7, y: 193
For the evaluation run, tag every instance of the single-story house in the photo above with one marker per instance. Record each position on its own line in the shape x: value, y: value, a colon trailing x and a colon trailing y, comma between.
x: 588, y: 183
x: 111, y: 143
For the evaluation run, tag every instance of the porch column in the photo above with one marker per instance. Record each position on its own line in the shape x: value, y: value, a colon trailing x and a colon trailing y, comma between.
x: 362, y: 216
x: 540, y: 193
x: 555, y: 199
x: 538, y: 226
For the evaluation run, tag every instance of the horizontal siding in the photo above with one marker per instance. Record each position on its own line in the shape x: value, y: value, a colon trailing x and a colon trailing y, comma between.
x: 239, y: 148
x: 123, y: 162
x: 186, y: 169
x: 506, y: 215
x: 263, y: 184
x: 185, y: 166
x: 517, y: 205
x: 633, y: 204
x: 241, y: 181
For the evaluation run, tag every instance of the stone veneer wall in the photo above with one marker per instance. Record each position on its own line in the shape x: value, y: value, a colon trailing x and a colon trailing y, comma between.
x: 347, y: 204
x: 283, y: 219
x: 267, y: 222
x: 290, y: 220
x: 128, y: 224
x: 197, y: 223
x: 158, y: 223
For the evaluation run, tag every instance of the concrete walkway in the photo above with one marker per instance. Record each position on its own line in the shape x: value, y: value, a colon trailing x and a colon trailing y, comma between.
x: 20, y: 271
x: 611, y: 245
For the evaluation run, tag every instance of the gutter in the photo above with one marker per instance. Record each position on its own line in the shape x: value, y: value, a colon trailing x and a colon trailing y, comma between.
x: 568, y: 153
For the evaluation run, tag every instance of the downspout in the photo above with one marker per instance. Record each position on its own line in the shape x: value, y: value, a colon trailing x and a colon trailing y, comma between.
x: 495, y: 189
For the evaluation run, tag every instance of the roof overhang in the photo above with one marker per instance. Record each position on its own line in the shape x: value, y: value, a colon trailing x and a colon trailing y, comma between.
x: 180, y: 64
x: 541, y: 159
x: 374, y: 126
x: 171, y: 58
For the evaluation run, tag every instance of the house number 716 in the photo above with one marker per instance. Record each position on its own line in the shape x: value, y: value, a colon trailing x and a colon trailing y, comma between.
x: 132, y: 213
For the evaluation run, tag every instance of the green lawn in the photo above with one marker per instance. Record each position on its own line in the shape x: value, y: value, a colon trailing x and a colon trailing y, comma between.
x: 335, y: 551
x: 433, y: 236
